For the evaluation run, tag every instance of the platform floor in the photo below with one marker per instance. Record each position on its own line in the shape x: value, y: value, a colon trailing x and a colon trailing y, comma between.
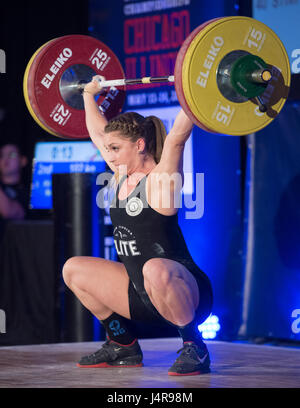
x: 233, y: 365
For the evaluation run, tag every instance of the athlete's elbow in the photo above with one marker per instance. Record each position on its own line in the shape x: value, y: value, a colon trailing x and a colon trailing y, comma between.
x: 179, y: 139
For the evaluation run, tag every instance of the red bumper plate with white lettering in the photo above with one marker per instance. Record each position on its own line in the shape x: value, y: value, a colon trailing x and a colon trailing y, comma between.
x: 53, y: 78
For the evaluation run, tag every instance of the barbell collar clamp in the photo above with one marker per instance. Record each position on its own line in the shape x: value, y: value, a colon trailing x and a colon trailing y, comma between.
x: 261, y: 76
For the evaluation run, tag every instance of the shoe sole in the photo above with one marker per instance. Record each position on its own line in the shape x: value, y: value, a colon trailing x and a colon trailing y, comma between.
x: 106, y: 365
x: 191, y: 373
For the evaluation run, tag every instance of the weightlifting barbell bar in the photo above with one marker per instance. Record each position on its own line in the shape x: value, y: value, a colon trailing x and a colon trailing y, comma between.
x: 134, y: 81
x: 232, y: 76
x: 259, y: 76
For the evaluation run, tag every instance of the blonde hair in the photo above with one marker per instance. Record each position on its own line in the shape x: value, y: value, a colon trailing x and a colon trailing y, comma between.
x: 133, y: 126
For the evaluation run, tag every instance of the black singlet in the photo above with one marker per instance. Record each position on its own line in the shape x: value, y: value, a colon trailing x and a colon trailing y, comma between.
x: 141, y: 233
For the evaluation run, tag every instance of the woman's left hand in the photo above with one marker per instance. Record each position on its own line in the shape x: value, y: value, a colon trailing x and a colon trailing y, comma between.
x: 94, y: 87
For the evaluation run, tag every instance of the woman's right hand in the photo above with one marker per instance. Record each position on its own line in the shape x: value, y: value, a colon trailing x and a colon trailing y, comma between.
x: 94, y: 87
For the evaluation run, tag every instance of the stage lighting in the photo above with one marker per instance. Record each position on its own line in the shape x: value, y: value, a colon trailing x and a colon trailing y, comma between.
x: 210, y: 327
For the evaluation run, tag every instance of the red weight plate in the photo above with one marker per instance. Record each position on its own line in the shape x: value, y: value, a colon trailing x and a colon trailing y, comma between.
x: 30, y: 90
x: 27, y: 92
x: 60, y: 58
x: 178, y: 73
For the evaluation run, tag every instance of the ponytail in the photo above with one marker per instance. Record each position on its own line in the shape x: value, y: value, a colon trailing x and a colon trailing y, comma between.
x: 159, y: 138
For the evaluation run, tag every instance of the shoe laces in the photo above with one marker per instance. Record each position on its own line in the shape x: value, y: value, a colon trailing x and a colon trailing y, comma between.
x: 191, y: 348
x: 187, y: 348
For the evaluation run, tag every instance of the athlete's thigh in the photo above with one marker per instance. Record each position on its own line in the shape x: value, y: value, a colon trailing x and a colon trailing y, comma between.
x: 175, y: 270
x: 107, y: 281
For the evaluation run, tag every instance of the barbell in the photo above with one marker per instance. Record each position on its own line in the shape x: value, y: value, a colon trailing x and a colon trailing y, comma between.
x: 232, y: 76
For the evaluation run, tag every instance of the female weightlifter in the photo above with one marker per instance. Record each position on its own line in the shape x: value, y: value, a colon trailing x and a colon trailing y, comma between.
x: 157, y: 279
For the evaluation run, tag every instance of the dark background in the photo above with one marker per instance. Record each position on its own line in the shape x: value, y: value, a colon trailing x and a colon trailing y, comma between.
x: 24, y: 27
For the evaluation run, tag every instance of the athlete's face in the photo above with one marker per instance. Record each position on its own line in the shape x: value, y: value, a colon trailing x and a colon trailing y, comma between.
x: 122, y: 151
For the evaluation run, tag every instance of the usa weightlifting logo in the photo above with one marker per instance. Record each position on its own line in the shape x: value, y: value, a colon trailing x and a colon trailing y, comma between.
x: 134, y: 206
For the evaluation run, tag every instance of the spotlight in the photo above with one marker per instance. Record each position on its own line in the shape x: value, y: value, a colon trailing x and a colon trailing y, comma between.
x: 209, y: 327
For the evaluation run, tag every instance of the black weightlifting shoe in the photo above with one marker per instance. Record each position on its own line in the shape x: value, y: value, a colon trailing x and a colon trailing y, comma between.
x: 193, y: 360
x: 113, y: 354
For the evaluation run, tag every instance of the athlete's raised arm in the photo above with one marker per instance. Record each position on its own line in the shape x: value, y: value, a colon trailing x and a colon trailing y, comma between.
x: 95, y: 120
x: 172, y: 155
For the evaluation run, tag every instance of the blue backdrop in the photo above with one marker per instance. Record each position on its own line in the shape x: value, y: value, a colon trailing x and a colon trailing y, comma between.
x: 271, y: 305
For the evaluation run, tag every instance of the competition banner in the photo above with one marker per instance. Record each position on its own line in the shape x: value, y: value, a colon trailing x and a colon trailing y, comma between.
x: 152, y: 35
x: 151, y: 41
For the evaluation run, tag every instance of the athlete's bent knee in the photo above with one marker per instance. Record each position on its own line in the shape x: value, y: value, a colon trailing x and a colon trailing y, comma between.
x: 69, y: 271
x: 157, y: 274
